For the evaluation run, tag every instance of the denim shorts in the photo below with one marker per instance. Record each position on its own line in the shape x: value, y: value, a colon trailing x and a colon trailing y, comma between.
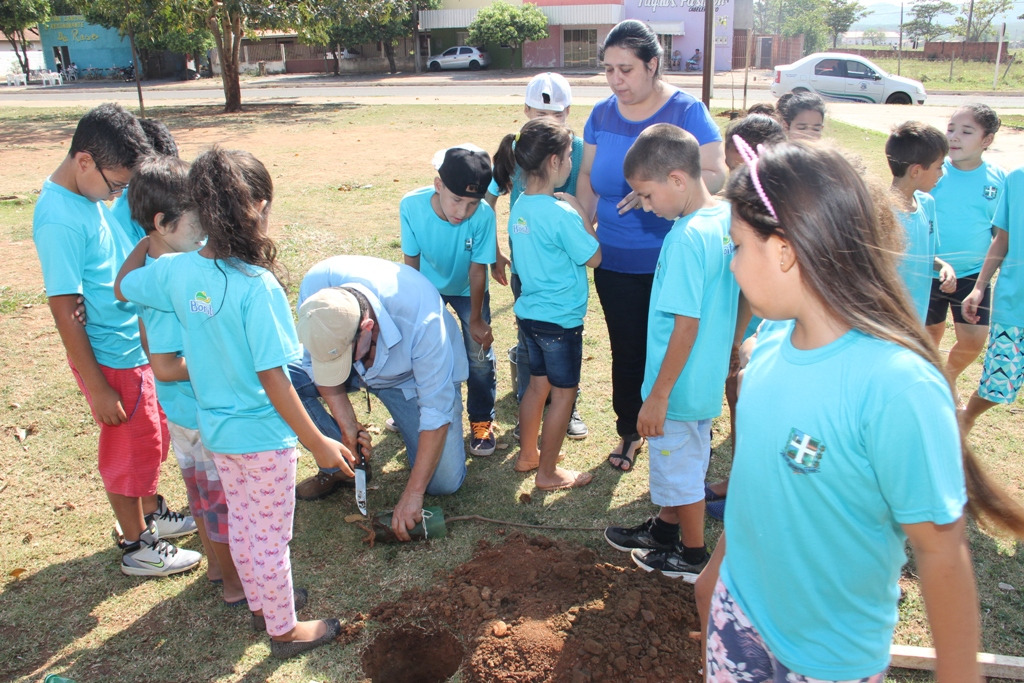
x: 555, y: 352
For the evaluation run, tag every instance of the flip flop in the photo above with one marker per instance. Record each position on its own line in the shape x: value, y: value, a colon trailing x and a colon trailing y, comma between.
x: 579, y: 480
x: 630, y: 447
x: 522, y: 466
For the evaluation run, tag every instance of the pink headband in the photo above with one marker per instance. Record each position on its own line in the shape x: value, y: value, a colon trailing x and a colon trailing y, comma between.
x: 750, y: 158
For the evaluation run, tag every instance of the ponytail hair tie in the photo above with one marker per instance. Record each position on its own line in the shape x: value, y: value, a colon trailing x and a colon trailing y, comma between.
x: 517, y: 137
x: 750, y: 158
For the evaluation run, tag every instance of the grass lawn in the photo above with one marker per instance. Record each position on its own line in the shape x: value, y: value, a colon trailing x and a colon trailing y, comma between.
x: 965, y: 76
x: 340, y: 171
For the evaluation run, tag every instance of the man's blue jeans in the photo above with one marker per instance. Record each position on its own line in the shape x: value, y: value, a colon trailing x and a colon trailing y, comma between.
x: 451, y: 468
x: 481, y: 387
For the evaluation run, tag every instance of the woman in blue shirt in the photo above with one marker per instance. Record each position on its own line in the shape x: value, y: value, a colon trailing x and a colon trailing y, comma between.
x: 631, y: 239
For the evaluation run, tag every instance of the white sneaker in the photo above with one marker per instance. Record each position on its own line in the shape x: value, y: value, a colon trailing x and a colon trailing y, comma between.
x: 389, y: 424
x: 172, y: 524
x: 150, y: 556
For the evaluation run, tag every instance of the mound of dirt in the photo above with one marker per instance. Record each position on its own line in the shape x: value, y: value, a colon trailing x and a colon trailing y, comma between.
x: 534, y: 609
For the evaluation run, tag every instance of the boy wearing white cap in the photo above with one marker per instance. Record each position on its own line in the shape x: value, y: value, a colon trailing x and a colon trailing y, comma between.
x: 451, y: 237
x: 547, y: 94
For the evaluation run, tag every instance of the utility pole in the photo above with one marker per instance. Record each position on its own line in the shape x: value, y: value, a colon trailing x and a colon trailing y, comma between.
x: 899, y: 46
x: 709, y: 51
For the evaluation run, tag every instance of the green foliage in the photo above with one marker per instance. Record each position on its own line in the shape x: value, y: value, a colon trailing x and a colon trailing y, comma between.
x: 155, y: 25
x: 985, y: 12
x: 16, y: 17
x: 503, y: 24
x: 839, y: 15
x: 924, y: 25
x: 791, y: 18
x: 347, y: 23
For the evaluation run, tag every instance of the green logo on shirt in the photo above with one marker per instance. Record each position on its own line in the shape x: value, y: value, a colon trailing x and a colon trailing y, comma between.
x: 803, y: 452
x: 201, y: 303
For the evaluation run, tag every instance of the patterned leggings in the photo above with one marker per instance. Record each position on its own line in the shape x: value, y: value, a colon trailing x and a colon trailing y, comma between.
x: 736, y: 652
x: 260, y: 491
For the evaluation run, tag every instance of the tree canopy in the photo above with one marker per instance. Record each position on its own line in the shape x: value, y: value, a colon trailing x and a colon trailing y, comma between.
x: 977, y: 25
x: 924, y: 25
x: 345, y: 23
x: 508, y: 25
x: 16, y: 18
x: 840, y: 15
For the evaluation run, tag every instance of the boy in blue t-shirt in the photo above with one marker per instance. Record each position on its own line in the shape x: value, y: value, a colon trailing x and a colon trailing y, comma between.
x: 80, y: 248
x: 691, y: 326
x: 450, y: 236
x: 915, y: 152
x: 1003, y: 374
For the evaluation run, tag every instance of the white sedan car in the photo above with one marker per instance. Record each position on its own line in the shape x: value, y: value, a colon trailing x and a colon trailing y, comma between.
x: 846, y: 78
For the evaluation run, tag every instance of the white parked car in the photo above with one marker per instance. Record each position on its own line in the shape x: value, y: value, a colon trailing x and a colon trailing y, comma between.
x: 846, y: 78
x: 460, y: 57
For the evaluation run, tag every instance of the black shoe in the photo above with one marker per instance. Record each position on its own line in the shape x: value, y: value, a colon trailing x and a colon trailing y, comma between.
x: 669, y: 562
x: 639, y: 536
x: 283, y: 650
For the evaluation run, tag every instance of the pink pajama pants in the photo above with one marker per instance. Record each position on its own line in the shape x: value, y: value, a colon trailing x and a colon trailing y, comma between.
x: 260, y: 492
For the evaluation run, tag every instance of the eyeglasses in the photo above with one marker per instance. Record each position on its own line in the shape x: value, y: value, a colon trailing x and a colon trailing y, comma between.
x: 114, y: 189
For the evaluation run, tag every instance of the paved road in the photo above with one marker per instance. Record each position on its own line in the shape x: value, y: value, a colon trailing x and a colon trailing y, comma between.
x: 494, y: 87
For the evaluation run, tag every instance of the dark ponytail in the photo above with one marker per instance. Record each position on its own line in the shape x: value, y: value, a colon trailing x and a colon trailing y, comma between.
x: 529, y: 149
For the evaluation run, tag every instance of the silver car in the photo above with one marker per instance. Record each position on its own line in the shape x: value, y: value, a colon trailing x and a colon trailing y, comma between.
x: 845, y: 77
x: 460, y: 57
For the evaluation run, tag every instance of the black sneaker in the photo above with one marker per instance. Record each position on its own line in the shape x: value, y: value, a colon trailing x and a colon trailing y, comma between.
x: 639, y: 536
x: 669, y: 562
x: 577, y: 428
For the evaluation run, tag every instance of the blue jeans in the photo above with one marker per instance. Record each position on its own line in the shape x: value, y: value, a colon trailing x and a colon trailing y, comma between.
x: 451, y: 468
x: 481, y: 387
x: 555, y: 352
x: 522, y: 353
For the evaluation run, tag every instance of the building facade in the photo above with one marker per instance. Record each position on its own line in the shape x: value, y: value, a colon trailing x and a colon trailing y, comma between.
x: 71, y: 40
x: 577, y: 27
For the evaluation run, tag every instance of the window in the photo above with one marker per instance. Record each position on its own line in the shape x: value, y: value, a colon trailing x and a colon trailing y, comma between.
x: 450, y: 52
x: 465, y: 50
x: 828, y: 67
x: 579, y: 47
x: 859, y: 70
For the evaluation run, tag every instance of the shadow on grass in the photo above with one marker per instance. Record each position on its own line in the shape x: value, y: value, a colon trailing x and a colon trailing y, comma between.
x: 191, y: 636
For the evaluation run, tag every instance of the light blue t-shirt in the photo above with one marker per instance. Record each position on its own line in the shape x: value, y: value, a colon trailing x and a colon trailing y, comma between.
x: 81, y: 248
x: 519, y: 185
x: 445, y: 250
x: 1008, y: 297
x: 630, y: 243
x: 836, y: 448
x: 692, y: 279
x: 234, y: 325
x: 123, y: 213
x: 419, y: 347
x: 964, y: 204
x: 163, y: 335
x: 918, y: 262
x: 551, y: 247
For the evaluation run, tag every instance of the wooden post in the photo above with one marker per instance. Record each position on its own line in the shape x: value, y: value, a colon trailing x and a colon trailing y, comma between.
x: 709, y: 52
x: 992, y: 666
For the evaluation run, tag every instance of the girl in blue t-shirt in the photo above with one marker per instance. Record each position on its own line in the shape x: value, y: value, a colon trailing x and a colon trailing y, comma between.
x: 965, y: 201
x: 552, y: 243
x: 238, y: 337
x: 847, y: 444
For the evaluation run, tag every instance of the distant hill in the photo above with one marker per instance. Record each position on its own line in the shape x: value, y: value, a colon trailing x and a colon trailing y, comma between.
x: 886, y: 17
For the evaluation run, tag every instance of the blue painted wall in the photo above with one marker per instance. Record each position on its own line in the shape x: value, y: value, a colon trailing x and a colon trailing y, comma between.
x: 88, y: 45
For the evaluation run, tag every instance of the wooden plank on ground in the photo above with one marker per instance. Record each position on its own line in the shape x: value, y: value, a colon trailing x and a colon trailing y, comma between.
x: 993, y: 666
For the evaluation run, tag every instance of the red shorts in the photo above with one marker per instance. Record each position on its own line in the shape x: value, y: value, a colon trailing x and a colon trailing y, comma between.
x: 131, y: 453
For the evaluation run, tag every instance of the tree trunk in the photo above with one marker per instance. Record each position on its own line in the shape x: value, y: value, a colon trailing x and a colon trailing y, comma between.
x: 389, y: 52
x: 138, y: 74
x: 337, y: 60
x: 417, y: 61
x: 18, y: 38
x: 227, y: 32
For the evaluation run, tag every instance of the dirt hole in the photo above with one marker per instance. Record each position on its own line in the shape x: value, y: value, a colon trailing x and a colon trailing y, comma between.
x: 411, y: 654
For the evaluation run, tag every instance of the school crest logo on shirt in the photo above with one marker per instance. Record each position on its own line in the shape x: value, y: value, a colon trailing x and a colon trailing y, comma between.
x: 803, y: 452
x: 521, y: 228
x: 469, y: 244
x: 989, y: 192
x: 201, y: 303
